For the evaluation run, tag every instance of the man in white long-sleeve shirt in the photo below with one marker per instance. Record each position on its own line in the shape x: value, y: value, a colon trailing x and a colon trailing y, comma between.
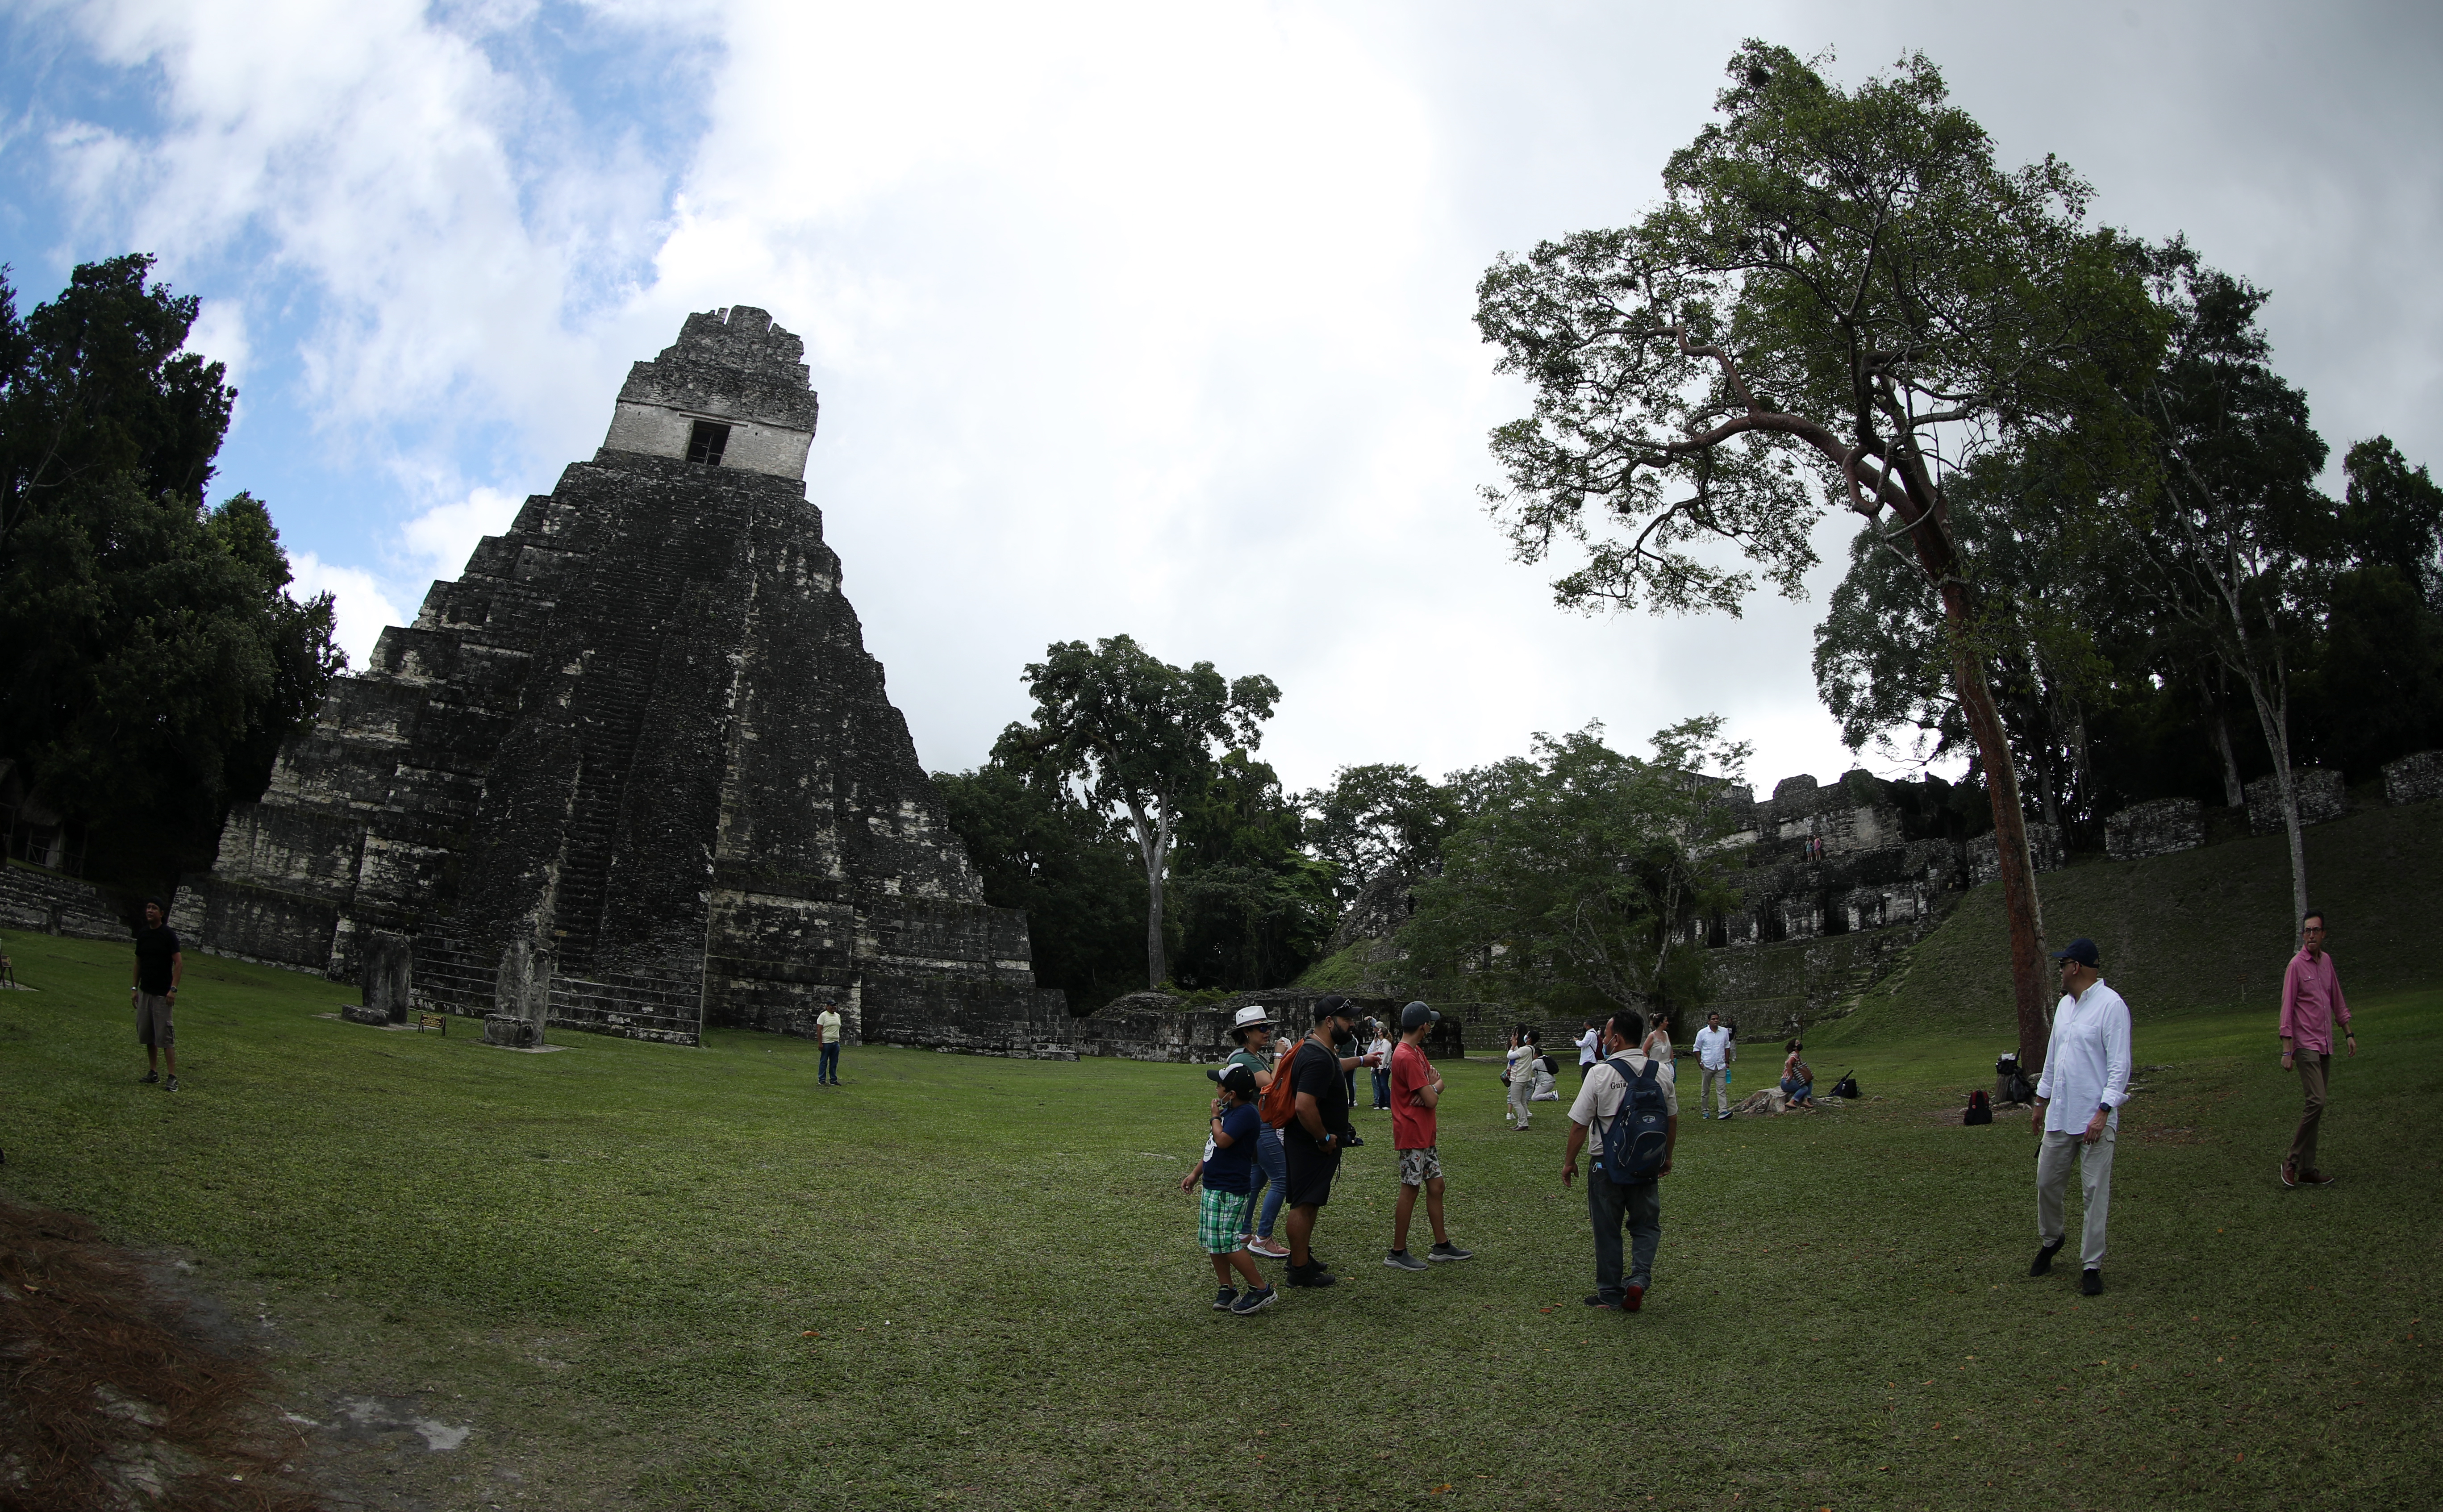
x: 1714, y: 1055
x: 2077, y: 1108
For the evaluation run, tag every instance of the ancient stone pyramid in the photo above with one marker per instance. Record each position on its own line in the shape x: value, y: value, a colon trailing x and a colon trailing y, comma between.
x: 634, y: 770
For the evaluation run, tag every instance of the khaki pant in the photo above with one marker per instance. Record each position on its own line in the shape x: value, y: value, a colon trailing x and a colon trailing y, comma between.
x: 1522, y: 1088
x: 1715, y: 1085
x: 2095, y: 1187
x: 2312, y: 1071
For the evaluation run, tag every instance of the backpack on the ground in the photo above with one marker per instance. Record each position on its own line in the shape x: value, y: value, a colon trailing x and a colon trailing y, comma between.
x: 1637, y: 1138
x: 1980, y: 1108
x: 1278, y: 1104
x: 2022, y: 1090
x: 1846, y: 1086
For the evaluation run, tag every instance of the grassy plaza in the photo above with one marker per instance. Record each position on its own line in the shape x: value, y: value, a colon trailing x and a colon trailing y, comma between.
x: 689, y: 1278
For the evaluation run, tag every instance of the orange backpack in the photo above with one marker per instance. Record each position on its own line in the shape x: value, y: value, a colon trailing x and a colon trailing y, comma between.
x: 1278, y: 1104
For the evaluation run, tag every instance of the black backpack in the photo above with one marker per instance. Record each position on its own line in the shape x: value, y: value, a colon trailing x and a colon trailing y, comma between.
x: 1634, y: 1142
x: 1846, y: 1086
x: 1980, y: 1108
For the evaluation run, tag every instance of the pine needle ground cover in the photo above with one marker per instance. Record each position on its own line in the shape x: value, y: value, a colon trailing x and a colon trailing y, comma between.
x: 651, y: 1277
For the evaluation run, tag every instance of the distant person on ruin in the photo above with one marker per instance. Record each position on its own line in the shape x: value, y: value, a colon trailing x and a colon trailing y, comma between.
x: 1610, y: 1204
x: 827, y: 1029
x: 2311, y: 1001
x: 1416, y: 1091
x: 154, y: 992
x: 1521, y: 1071
x: 1797, y: 1077
x: 1221, y: 1208
x: 1317, y: 1133
x: 2077, y: 1108
x: 1714, y: 1058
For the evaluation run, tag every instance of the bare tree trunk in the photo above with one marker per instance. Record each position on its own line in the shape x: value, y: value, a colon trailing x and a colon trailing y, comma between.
x: 2234, y: 793
x: 2020, y: 904
x: 1153, y: 844
x: 2273, y: 712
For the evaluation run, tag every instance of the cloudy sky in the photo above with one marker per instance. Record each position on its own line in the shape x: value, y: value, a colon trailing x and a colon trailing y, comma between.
x: 1135, y: 317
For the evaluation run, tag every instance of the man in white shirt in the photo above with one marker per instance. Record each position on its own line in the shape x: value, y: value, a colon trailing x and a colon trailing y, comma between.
x: 1714, y: 1054
x: 1590, y: 1050
x: 2077, y: 1108
x: 827, y: 1028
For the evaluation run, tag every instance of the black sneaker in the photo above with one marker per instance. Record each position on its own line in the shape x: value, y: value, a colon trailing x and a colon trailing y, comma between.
x: 2044, y: 1262
x: 1222, y: 1298
x: 1311, y: 1275
x: 1446, y: 1250
x: 1599, y: 1300
x: 171, y: 1086
x: 147, y: 1078
x: 2091, y: 1284
x: 1257, y: 1299
x: 1401, y: 1260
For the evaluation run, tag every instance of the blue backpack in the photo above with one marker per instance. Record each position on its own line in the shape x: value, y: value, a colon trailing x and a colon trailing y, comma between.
x: 1635, y: 1140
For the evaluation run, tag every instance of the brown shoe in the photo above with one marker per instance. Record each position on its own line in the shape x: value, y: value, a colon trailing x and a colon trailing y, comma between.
x: 2313, y: 1177
x: 2289, y: 1174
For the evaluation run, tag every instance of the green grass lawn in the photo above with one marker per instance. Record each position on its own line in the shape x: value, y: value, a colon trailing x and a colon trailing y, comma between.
x: 607, y: 1260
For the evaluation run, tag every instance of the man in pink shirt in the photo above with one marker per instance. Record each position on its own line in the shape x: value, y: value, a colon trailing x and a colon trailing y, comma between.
x: 2311, y: 999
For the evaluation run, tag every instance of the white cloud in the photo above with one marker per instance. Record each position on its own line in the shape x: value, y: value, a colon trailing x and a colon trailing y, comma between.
x: 439, y: 539
x: 359, y: 601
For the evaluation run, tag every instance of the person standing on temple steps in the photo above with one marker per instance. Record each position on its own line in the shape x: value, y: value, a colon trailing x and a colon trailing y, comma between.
x: 154, y: 993
x: 827, y: 1028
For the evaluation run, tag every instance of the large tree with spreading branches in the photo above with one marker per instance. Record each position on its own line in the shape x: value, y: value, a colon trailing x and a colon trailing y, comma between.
x: 1841, y: 299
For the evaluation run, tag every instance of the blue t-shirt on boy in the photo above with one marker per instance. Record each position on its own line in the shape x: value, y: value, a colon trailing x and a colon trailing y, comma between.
x: 1230, y: 1168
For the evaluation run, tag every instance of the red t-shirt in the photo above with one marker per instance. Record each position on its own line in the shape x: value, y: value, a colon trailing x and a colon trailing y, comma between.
x: 1412, y: 1127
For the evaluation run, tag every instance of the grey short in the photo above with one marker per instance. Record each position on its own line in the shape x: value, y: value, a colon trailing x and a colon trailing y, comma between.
x: 153, y: 1022
x: 1417, y: 1167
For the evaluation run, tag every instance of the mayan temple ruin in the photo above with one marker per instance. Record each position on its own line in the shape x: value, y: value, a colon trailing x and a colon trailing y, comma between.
x: 634, y: 770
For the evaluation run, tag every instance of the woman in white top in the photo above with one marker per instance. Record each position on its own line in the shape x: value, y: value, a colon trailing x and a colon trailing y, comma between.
x: 1382, y: 1046
x: 1657, y: 1046
x: 1523, y: 1052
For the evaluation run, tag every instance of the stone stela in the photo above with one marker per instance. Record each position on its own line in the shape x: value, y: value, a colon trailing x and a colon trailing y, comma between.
x: 633, y: 771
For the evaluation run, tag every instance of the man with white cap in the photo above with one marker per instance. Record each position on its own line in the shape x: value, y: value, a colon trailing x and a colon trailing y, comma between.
x: 1416, y: 1088
x: 2077, y: 1108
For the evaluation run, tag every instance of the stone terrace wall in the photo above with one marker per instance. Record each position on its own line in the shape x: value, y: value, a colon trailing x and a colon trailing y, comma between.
x: 46, y: 903
x: 2322, y: 797
x: 2159, y: 828
x: 2413, y: 778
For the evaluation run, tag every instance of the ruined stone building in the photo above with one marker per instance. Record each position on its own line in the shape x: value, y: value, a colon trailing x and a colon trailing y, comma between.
x: 635, y: 769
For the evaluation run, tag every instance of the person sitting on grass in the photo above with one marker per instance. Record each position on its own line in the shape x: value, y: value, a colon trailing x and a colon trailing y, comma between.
x: 1797, y: 1078
x: 1221, y: 1210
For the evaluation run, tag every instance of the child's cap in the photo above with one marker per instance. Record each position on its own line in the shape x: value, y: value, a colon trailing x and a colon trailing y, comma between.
x: 1238, y: 1079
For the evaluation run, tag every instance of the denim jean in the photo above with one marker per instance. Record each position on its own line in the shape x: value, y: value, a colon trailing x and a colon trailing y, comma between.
x: 1272, y: 1178
x: 1383, y: 1087
x: 1608, y: 1206
x: 827, y: 1068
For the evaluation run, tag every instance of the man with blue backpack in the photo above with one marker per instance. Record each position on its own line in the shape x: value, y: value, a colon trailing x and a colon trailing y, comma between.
x: 1634, y: 1113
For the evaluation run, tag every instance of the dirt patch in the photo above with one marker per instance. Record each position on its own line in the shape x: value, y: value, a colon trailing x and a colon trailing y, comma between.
x: 118, y: 1394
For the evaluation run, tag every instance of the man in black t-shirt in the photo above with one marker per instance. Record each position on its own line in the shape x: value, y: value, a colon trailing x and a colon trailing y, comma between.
x: 153, y: 991
x: 1317, y: 1132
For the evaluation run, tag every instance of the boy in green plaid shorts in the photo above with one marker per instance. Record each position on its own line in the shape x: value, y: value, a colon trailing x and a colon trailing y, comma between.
x: 1222, y: 1208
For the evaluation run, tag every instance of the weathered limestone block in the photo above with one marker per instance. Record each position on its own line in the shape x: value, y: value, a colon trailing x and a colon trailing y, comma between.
x: 522, y: 990
x: 2044, y: 849
x: 2159, y: 828
x: 2320, y: 792
x: 2413, y: 778
x: 389, y: 974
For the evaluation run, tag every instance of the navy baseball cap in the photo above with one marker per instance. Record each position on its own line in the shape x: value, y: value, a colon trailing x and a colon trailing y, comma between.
x: 1415, y: 1016
x: 1238, y: 1079
x: 2082, y: 950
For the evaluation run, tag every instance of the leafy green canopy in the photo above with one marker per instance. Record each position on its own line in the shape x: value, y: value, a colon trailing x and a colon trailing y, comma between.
x: 1139, y: 735
x: 154, y: 664
x: 1584, y: 871
x: 1379, y: 816
x: 1840, y: 287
